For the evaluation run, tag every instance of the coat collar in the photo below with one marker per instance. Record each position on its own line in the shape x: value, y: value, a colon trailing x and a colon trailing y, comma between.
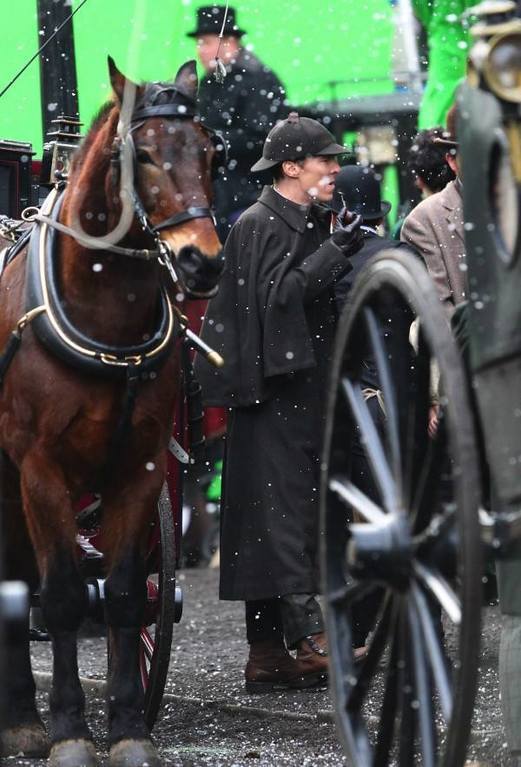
x: 294, y: 215
x: 450, y: 197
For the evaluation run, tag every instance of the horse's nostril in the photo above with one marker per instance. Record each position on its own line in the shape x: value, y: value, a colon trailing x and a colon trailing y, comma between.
x: 200, y: 273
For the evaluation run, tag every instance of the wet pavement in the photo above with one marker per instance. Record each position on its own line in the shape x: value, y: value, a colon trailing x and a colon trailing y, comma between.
x: 208, y: 718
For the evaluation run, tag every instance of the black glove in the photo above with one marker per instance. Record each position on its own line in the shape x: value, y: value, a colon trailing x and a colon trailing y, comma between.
x: 347, y: 234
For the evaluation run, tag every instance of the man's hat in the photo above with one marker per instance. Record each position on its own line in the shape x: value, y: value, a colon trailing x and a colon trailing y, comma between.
x: 449, y: 139
x: 296, y: 138
x: 210, y: 20
x: 359, y: 190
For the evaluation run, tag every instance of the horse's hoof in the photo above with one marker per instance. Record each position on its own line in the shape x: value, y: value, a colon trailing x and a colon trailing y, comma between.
x: 28, y: 740
x: 73, y: 753
x: 134, y: 753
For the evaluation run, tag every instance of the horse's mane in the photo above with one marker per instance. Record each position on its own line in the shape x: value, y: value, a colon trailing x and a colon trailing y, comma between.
x: 99, y: 119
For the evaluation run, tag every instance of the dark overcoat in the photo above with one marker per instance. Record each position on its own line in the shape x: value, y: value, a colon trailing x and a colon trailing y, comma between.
x: 243, y: 108
x: 273, y: 320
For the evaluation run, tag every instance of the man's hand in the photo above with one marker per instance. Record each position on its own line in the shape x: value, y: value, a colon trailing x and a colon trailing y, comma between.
x: 347, y: 234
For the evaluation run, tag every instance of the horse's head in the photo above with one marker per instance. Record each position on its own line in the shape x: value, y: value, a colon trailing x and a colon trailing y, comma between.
x: 174, y: 159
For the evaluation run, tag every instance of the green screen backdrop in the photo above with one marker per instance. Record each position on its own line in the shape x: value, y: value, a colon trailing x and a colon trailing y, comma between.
x: 308, y: 43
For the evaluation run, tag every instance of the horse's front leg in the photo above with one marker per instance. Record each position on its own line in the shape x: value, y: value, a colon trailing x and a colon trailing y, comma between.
x: 125, y: 530
x: 52, y: 528
x: 23, y: 732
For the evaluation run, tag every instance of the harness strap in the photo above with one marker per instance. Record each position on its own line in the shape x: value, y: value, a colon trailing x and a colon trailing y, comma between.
x: 194, y: 406
x: 120, y: 435
x: 15, y: 339
x: 183, y: 216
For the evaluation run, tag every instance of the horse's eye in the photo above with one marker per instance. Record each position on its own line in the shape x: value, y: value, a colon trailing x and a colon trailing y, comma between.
x: 144, y: 157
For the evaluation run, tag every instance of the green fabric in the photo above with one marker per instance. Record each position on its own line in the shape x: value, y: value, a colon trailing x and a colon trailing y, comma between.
x: 448, y: 45
x: 213, y: 492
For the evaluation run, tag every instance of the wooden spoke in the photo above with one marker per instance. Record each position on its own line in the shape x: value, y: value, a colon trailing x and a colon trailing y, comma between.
x: 432, y: 647
x: 357, y: 694
x: 422, y: 701
x: 434, y: 582
x: 389, y: 393
x: 350, y: 593
x: 408, y: 714
x: 389, y: 709
x: 375, y: 453
x: 356, y: 499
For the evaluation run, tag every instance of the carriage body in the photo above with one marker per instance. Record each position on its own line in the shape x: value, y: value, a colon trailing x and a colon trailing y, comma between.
x: 440, y: 498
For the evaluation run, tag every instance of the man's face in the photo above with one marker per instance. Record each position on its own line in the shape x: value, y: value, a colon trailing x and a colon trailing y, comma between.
x: 317, y: 177
x: 207, y: 46
x: 452, y: 160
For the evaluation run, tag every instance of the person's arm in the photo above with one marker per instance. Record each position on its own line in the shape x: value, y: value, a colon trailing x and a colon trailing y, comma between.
x: 319, y: 270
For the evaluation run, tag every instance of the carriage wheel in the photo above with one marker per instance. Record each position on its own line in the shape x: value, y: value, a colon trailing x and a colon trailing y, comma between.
x: 155, y: 646
x: 413, y: 550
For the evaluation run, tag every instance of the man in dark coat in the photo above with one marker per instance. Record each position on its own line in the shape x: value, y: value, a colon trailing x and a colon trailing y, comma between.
x: 358, y: 189
x: 242, y: 108
x: 273, y: 321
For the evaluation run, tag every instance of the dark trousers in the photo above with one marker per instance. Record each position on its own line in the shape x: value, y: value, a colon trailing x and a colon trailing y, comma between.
x: 291, y: 617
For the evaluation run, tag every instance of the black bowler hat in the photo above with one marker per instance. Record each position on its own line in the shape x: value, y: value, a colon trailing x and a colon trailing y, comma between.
x: 359, y: 190
x: 210, y: 20
x: 296, y: 138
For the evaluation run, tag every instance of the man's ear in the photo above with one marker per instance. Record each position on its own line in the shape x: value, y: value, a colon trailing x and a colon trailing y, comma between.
x: 117, y: 79
x: 291, y: 168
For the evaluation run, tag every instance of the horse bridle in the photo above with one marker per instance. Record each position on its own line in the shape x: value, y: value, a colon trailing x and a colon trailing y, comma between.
x: 185, y: 109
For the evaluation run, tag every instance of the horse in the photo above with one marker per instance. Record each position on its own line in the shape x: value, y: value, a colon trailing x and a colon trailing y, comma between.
x: 87, y: 400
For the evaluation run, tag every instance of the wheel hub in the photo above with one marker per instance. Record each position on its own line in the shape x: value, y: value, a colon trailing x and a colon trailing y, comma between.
x: 381, y: 552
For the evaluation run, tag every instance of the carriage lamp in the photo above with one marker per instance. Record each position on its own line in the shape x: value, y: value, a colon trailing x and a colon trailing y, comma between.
x: 58, y: 149
x: 502, y: 67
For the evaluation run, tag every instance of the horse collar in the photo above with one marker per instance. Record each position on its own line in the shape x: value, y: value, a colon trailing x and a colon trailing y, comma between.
x: 55, y: 331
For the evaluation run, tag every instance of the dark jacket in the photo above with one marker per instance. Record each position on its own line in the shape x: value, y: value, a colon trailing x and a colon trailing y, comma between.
x: 372, y: 246
x: 274, y: 321
x: 275, y: 270
x: 243, y: 108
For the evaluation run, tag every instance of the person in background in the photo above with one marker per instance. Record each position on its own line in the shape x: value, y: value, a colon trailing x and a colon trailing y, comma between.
x: 242, y: 108
x: 428, y: 167
x: 434, y: 228
x: 358, y: 189
x: 273, y: 321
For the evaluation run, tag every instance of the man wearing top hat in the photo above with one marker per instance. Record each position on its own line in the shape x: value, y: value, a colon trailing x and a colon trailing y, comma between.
x: 273, y: 320
x: 243, y: 107
x: 435, y: 229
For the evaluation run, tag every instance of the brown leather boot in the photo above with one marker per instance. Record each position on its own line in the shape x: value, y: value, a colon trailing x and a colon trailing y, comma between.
x: 271, y: 667
x: 312, y: 655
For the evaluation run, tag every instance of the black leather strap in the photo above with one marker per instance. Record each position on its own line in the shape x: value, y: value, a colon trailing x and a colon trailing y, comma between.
x: 182, y: 217
x: 49, y: 338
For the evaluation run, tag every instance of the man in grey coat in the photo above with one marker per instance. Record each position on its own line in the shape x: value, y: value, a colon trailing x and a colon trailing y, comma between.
x: 435, y: 230
x: 273, y: 321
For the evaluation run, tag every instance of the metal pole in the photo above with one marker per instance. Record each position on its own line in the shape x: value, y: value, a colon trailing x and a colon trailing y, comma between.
x: 406, y: 25
x: 59, y: 91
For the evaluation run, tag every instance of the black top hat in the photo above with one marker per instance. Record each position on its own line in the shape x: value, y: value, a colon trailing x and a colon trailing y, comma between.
x: 296, y: 138
x: 359, y: 190
x: 210, y: 20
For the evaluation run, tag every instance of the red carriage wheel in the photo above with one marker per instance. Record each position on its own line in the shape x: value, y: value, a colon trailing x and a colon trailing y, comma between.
x: 156, y: 636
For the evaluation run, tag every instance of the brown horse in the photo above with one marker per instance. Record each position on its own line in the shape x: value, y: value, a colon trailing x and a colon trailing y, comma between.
x: 105, y: 340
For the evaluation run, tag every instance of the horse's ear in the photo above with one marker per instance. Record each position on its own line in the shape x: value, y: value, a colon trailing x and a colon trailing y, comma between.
x: 186, y: 78
x: 117, y: 79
